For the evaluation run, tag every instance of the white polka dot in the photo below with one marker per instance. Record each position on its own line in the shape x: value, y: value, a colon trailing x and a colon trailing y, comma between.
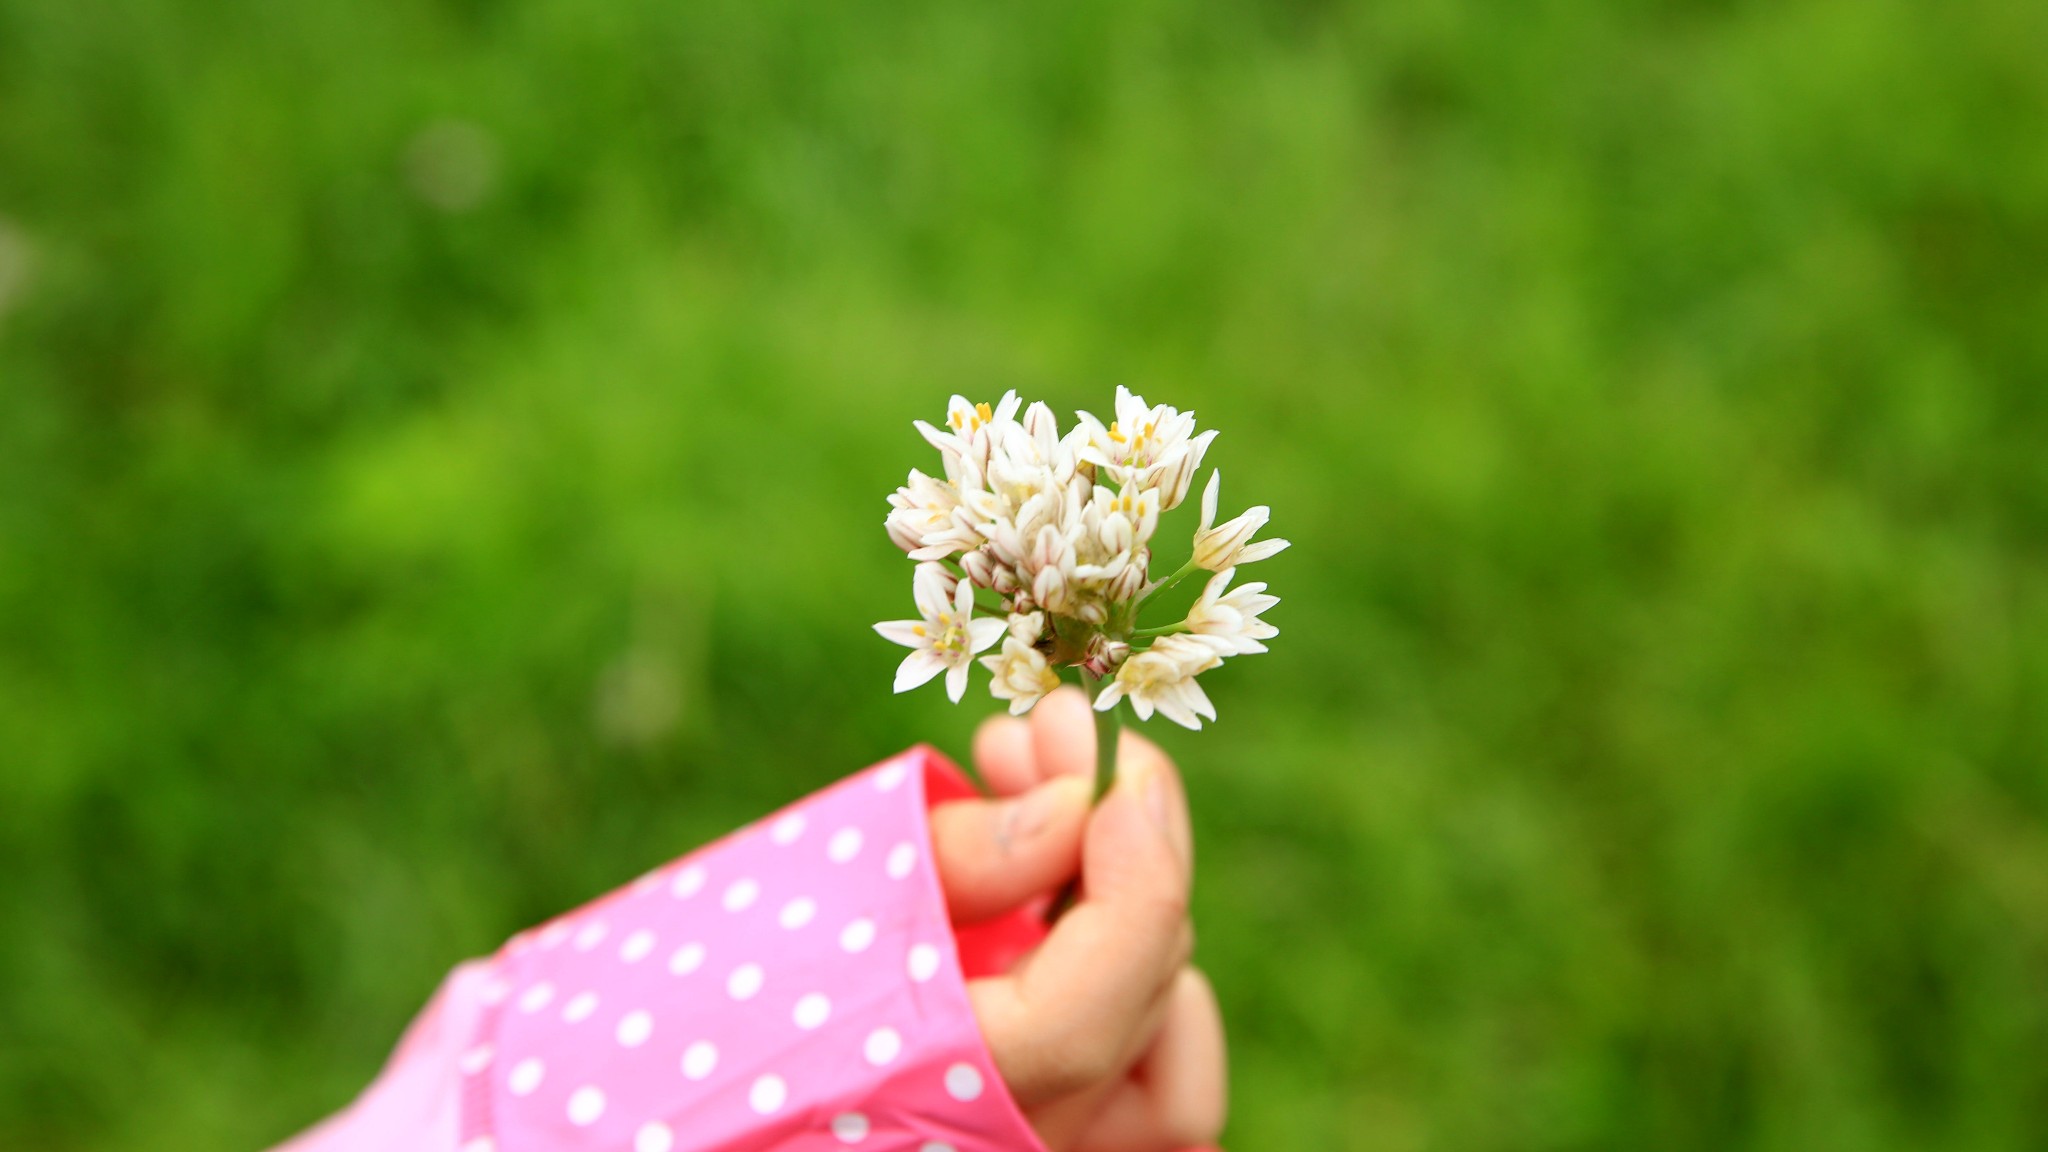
x: 741, y: 895
x: 902, y: 858
x: 591, y: 936
x: 687, y: 959
x: 536, y: 998
x: 688, y: 882
x: 850, y: 1127
x: 477, y: 1059
x: 798, y: 912
x: 889, y: 777
x: 923, y: 962
x: 768, y: 1095
x: 857, y: 936
x: 579, y: 1007
x: 649, y: 882
x: 844, y: 846
x: 526, y: 1077
x: 637, y: 946
x: 745, y: 981
x: 481, y: 1144
x: 963, y: 1082
x: 586, y: 1104
x: 553, y: 935
x: 936, y: 1146
x: 699, y: 1059
x: 882, y: 1046
x: 654, y: 1137
x: 787, y: 829
x: 635, y: 1029
x: 812, y: 1011
x: 494, y: 991
x: 520, y: 942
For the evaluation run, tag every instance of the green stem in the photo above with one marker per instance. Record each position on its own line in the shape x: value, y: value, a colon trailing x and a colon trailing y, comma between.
x: 1108, y: 726
x: 1163, y: 630
x: 1186, y: 570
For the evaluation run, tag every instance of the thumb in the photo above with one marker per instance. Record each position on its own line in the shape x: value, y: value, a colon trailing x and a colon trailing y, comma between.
x: 1088, y: 1002
x: 993, y: 855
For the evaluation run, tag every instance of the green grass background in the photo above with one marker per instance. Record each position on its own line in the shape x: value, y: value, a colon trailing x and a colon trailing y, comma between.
x: 442, y: 450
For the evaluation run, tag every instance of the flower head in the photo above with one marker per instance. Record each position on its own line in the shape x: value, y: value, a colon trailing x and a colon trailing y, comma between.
x: 921, y: 520
x: 1230, y: 623
x: 1229, y: 545
x: 1162, y: 677
x: 1147, y: 446
x: 973, y: 430
x: 1022, y: 675
x: 948, y: 636
x: 1059, y: 528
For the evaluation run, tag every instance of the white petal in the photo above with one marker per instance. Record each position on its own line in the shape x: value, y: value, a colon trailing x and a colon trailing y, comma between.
x: 1217, y: 646
x: 1111, y: 693
x: 1214, y: 590
x: 945, y: 442
x: 985, y: 632
x: 1261, y: 550
x: 1210, y: 495
x: 1177, y: 712
x: 956, y: 681
x: 963, y: 600
x: 1131, y: 409
x: 932, y: 589
x: 904, y: 632
x: 917, y: 669
x: 1043, y: 426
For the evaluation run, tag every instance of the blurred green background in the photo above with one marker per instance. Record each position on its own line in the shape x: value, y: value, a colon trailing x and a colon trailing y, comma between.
x: 442, y: 459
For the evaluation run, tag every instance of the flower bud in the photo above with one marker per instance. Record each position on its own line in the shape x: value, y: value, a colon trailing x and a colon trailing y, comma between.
x: 979, y: 568
x: 1105, y: 655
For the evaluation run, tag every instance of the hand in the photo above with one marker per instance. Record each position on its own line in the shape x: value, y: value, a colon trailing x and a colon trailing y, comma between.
x: 1107, y: 1037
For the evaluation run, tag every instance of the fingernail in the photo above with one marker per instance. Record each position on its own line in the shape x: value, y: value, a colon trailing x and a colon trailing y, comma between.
x: 1155, y: 799
x: 1142, y: 778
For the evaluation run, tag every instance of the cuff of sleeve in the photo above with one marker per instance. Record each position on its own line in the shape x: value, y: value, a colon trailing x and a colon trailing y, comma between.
x: 794, y: 986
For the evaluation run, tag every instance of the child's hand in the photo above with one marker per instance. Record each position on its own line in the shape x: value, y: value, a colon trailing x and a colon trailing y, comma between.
x: 1107, y: 1037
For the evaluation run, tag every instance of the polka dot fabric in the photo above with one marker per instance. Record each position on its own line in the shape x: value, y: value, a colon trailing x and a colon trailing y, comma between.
x: 795, y: 986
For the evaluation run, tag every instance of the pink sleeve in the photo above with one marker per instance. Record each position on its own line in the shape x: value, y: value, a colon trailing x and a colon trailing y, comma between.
x: 796, y: 986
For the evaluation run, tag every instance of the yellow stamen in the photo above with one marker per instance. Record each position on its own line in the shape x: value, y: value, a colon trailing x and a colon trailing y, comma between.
x: 982, y: 411
x: 1116, y: 433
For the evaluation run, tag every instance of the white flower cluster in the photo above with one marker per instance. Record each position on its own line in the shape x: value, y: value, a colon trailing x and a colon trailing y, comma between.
x: 1050, y: 536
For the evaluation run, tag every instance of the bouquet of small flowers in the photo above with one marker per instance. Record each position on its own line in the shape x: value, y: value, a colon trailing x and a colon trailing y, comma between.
x: 1042, y: 542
